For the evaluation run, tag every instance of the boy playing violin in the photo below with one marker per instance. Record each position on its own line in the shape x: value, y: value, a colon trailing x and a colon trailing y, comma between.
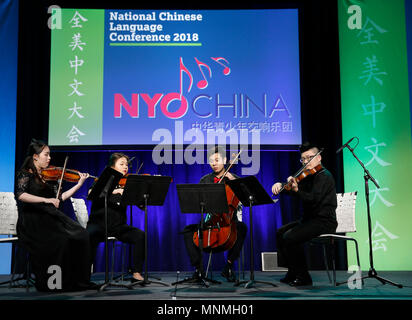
x: 318, y: 195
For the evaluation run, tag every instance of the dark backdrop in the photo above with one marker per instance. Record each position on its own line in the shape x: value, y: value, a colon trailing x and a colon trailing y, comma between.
x: 321, y: 123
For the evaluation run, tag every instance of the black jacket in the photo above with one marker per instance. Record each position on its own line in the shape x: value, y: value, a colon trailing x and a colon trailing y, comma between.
x: 318, y: 195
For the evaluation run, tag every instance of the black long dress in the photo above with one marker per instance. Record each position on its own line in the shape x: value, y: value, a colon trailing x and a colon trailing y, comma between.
x: 51, y: 238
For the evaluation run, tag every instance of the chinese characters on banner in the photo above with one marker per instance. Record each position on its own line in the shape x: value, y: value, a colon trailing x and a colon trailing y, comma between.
x: 76, y: 78
x: 371, y: 35
x: 77, y: 46
x: 376, y: 109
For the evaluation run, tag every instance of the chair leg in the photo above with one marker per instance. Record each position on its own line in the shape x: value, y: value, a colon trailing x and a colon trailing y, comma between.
x: 123, y: 259
x: 209, y: 264
x: 325, y: 259
x: 333, y: 262
x: 14, y: 266
x: 357, y: 257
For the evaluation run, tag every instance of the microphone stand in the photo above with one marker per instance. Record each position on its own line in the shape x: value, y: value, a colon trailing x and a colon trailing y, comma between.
x: 367, y: 176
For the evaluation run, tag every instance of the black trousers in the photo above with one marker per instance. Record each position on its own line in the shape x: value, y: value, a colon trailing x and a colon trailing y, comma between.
x: 194, y: 251
x: 123, y: 233
x: 291, y: 238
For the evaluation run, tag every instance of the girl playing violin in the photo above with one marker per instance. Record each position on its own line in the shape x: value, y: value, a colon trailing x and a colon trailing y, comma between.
x: 117, y: 220
x: 318, y: 195
x: 51, y: 237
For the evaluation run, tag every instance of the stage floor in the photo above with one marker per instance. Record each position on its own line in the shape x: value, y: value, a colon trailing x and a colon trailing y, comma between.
x: 322, y: 289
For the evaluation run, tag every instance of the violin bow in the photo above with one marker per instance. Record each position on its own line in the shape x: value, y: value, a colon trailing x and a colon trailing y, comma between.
x: 138, y: 170
x: 61, y: 178
x: 304, y: 167
x: 301, y: 169
x: 230, y: 166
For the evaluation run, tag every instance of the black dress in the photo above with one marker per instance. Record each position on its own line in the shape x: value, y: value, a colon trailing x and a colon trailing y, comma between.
x: 51, y: 238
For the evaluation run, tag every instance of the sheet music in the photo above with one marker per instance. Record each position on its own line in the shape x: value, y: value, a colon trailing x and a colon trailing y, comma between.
x: 80, y: 210
x: 8, y: 213
x: 345, y: 212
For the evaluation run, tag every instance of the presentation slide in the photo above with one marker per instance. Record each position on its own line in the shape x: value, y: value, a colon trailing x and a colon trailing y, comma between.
x: 145, y: 77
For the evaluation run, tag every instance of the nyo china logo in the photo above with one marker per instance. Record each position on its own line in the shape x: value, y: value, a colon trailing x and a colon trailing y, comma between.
x: 120, y: 102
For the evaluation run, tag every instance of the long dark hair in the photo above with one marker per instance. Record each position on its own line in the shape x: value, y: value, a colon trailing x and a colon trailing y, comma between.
x: 35, y: 147
x: 116, y: 156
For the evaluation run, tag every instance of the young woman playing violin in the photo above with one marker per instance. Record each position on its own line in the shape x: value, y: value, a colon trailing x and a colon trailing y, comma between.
x: 217, y: 161
x: 51, y: 237
x: 315, y: 187
x: 117, y: 221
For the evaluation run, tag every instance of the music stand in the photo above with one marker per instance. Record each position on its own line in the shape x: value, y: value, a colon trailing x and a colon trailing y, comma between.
x: 249, y: 191
x: 201, y: 198
x: 102, y: 188
x: 148, y: 191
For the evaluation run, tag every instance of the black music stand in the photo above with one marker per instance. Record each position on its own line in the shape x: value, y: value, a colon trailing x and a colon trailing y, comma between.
x: 147, y: 191
x: 102, y: 188
x: 250, y: 192
x: 201, y: 198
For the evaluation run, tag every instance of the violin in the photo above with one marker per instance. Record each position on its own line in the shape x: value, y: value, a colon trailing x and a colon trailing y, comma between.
x: 303, y: 173
x: 53, y: 173
x: 122, y: 181
x: 221, y: 232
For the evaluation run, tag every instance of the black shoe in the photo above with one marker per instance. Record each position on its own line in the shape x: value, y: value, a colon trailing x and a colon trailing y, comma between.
x: 196, y: 275
x: 134, y: 280
x: 299, y: 282
x: 82, y: 286
x: 289, y: 277
x: 93, y: 286
x: 229, y: 273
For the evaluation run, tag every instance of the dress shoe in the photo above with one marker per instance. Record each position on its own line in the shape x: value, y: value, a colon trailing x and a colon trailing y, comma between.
x: 229, y: 273
x: 196, y: 275
x: 298, y: 282
x: 82, y: 286
x: 289, y: 277
x: 134, y: 280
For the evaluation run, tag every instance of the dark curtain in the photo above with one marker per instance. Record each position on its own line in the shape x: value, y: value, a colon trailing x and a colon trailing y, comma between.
x: 321, y: 123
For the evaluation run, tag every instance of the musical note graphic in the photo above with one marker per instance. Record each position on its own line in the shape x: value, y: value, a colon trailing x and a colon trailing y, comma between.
x: 226, y: 70
x: 184, y: 69
x: 202, y: 84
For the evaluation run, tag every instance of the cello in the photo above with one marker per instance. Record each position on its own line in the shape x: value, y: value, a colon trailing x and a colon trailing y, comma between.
x: 220, y: 232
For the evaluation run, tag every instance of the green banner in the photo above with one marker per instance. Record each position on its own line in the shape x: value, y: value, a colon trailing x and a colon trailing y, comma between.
x: 375, y: 108
x: 76, y: 79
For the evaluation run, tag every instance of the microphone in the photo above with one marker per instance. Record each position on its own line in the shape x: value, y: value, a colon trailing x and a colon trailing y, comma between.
x: 344, y: 146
